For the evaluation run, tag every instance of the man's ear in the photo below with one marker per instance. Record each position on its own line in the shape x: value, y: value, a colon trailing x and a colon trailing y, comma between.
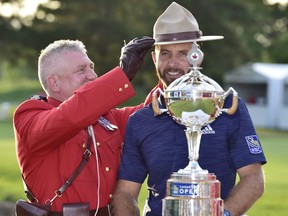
x: 153, y: 54
x: 53, y: 83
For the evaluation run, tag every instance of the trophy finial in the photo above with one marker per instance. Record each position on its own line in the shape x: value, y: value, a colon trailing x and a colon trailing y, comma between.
x: 195, y: 56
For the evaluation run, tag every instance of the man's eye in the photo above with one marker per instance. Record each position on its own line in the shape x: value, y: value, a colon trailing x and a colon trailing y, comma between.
x: 81, y: 70
x: 183, y: 53
x: 164, y: 53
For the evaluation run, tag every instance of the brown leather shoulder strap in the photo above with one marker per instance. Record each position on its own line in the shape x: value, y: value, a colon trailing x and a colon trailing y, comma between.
x: 68, y: 182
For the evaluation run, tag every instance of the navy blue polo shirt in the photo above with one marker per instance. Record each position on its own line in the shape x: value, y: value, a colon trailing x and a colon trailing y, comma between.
x: 156, y: 146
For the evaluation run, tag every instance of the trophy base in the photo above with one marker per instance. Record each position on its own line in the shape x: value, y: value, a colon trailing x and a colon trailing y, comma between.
x: 173, y: 206
x: 192, y: 194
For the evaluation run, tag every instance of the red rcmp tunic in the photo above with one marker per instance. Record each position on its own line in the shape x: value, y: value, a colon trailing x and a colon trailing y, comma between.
x: 51, y: 138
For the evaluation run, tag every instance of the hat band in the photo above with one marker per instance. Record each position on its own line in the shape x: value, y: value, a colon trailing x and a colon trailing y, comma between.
x: 178, y: 36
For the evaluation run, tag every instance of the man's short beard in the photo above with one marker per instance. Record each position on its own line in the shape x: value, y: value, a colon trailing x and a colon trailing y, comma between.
x: 160, y: 77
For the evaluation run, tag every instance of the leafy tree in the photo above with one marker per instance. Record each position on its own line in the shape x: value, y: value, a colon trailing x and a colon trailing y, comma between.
x: 252, y: 30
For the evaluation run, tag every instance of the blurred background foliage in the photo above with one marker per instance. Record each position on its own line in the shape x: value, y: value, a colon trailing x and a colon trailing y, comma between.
x: 254, y: 31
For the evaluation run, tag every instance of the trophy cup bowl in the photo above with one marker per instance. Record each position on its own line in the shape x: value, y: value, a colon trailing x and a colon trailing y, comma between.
x: 194, y: 100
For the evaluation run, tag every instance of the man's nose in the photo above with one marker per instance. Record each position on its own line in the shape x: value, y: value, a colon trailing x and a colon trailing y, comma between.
x: 92, y: 75
x: 173, y: 60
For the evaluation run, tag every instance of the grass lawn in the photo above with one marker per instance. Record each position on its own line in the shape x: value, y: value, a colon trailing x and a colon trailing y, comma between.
x: 11, y: 187
x: 275, y: 199
x: 273, y: 202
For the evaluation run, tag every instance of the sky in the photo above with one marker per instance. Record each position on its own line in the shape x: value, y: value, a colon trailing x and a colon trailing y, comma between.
x: 26, y: 9
x: 29, y: 7
x: 278, y: 1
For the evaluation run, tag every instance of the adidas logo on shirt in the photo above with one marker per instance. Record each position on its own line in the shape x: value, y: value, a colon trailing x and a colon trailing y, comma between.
x: 208, y: 130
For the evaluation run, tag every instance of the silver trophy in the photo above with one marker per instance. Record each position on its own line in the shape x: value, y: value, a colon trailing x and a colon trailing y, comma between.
x: 194, y: 100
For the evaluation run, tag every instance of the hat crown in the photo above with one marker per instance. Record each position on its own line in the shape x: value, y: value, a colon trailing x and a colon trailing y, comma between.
x: 177, y: 25
x: 175, y: 19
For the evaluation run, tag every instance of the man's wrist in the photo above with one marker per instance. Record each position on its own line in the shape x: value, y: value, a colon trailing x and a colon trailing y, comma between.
x: 226, y: 213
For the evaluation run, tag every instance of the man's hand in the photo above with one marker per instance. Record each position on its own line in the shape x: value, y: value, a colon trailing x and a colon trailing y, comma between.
x: 133, y: 53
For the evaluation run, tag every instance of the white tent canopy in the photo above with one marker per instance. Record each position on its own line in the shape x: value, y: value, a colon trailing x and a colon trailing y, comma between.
x: 264, y: 86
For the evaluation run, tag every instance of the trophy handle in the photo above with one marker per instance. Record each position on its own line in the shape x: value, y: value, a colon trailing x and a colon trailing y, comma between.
x: 234, y: 106
x: 155, y: 107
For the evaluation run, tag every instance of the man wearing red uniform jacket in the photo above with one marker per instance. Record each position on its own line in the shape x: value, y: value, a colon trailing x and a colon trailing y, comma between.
x: 51, y: 133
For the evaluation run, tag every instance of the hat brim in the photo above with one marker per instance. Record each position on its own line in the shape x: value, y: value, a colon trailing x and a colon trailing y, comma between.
x: 202, y: 38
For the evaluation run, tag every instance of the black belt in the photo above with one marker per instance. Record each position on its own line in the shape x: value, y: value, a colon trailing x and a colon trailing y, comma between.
x: 104, y: 211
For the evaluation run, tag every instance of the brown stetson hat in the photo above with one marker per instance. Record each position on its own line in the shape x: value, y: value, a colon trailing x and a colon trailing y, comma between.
x: 178, y: 25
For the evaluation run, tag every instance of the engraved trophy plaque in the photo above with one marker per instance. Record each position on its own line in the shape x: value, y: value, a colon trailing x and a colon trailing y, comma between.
x: 194, y: 100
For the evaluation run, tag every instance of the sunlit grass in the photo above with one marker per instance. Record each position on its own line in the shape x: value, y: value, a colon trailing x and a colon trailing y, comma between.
x: 11, y: 187
x: 273, y: 202
x: 18, y: 91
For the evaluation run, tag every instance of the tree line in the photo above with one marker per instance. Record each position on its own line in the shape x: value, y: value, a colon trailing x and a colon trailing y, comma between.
x: 253, y: 31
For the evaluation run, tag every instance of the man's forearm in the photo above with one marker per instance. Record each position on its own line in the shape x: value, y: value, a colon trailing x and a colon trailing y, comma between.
x: 124, y: 204
x: 249, y: 189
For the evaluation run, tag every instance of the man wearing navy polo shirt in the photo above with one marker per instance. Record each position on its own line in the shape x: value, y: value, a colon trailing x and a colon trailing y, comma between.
x: 156, y: 146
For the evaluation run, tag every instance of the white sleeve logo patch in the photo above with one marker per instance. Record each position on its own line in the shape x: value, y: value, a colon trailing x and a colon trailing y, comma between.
x: 253, y: 144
